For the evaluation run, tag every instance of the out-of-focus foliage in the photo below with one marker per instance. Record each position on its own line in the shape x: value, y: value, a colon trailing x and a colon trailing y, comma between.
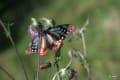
x: 102, y: 35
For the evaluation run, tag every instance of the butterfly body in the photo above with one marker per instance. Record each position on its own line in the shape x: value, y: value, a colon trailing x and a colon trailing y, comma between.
x: 50, y: 38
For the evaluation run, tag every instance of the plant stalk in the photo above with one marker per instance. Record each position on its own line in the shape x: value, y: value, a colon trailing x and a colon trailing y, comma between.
x: 15, y: 48
x: 9, y: 75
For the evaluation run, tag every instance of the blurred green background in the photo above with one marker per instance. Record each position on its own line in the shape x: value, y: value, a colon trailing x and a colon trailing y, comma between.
x: 102, y: 36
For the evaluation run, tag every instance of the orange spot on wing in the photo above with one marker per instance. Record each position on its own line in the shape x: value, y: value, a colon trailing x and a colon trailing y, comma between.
x: 56, y: 45
x: 28, y: 51
x: 71, y: 28
x: 43, y: 51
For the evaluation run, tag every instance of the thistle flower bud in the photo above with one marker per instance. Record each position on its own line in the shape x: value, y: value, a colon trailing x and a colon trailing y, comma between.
x: 73, y: 75
x: 68, y: 74
x: 34, y: 22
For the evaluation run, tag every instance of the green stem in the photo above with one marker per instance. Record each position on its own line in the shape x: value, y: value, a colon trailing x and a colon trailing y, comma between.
x: 63, y: 69
x: 57, y: 59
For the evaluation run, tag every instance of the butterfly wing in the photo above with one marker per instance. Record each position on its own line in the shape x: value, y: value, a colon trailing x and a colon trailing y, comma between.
x: 42, y: 45
x: 33, y: 46
x: 60, y: 31
x: 37, y: 45
x: 56, y: 34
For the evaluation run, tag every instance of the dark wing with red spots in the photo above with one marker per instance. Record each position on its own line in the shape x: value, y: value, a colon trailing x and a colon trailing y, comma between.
x: 60, y: 31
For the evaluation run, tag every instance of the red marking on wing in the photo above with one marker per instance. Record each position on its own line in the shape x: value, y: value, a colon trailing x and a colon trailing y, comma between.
x: 56, y: 45
x: 28, y: 51
x: 71, y: 28
x: 42, y: 50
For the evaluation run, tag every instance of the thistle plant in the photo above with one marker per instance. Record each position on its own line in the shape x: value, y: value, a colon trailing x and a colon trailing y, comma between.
x: 46, y: 35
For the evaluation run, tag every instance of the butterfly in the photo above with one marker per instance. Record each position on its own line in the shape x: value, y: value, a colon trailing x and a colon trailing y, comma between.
x: 50, y: 38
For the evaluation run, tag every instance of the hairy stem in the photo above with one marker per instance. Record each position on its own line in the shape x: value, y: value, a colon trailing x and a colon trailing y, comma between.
x: 84, y: 55
x: 15, y: 48
x: 9, y: 75
x: 83, y: 41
